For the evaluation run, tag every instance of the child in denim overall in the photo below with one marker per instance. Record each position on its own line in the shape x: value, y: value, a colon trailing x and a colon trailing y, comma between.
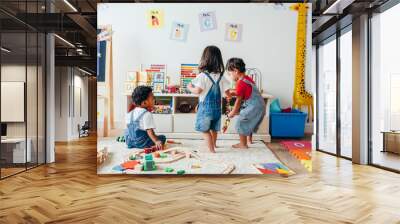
x: 209, y: 85
x: 252, y: 111
x: 140, y: 131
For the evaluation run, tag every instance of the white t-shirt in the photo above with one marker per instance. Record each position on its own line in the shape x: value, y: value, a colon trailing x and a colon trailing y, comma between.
x: 203, y: 82
x: 146, y: 122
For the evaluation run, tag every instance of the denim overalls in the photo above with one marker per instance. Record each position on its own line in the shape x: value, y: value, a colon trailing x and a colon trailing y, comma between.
x: 251, y: 113
x: 137, y: 138
x: 209, y: 111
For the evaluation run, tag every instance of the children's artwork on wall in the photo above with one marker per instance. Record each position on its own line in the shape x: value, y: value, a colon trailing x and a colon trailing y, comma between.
x: 233, y: 32
x: 155, y: 18
x: 208, y: 21
x: 179, y: 31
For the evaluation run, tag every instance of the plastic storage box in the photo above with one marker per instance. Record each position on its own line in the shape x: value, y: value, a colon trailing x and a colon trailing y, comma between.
x: 288, y: 124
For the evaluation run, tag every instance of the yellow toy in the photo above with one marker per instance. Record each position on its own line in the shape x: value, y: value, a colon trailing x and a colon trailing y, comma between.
x: 300, y: 95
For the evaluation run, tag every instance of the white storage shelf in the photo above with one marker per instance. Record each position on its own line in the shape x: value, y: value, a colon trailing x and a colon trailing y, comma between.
x: 181, y: 125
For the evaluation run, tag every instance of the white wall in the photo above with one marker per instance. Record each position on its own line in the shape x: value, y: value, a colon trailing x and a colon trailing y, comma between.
x: 268, y: 42
x: 68, y: 82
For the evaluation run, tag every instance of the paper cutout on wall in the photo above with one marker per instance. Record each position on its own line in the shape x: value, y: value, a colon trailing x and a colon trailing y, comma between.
x: 233, y: 32
x: 155, y: 18
x: 179, y: 31
x: 207, y: 21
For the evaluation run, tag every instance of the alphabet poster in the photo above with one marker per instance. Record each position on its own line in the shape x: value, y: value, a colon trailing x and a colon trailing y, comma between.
x: 233, y: 32
x: 207, y: 21
x: 179, y: 31
x: 155, y: 18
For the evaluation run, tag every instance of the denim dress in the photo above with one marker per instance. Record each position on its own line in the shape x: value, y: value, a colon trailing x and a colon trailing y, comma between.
x: 137, y: 138
x: 251, y: 113
x: 209, y: 113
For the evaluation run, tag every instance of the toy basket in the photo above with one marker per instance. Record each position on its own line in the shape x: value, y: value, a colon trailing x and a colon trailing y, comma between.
x: 288, y: 124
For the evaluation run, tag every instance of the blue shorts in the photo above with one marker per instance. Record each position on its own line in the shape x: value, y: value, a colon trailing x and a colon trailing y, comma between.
x: 207, y: 123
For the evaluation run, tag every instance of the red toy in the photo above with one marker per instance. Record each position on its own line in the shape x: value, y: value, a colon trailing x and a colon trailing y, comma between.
x: 151, y: 149
x: 172, y: 89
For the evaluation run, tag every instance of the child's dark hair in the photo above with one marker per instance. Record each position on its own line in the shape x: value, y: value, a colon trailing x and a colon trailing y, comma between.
x: 140, y: 94
x: 237, y: 63
x: 211, y: 61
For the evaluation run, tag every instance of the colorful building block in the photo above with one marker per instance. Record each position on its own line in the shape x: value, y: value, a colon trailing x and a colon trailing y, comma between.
x: 169, y: 170
x: 132, y: 157
x: 180, y: 172
x: 148, y: 157
x: 163, y: 155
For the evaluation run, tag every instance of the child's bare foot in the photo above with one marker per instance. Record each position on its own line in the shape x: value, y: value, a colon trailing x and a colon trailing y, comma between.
x: 240, y: 146
x: 212, y: 151
x: 250, y: 140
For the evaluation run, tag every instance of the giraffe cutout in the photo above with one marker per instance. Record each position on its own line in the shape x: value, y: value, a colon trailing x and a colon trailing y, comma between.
x: 300, y: 95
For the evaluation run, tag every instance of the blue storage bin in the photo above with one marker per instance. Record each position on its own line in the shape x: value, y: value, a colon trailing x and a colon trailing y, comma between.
x: 287, y: 124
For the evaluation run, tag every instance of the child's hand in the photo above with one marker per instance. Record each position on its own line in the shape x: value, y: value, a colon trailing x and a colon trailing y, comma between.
x: 159, y: 145
x: 231, y: 114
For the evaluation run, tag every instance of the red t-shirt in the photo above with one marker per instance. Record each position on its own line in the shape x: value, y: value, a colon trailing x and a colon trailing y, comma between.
x: 243, y: 89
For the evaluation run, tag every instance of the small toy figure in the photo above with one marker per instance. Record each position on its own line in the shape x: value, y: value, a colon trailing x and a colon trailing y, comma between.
x: 226, y: 124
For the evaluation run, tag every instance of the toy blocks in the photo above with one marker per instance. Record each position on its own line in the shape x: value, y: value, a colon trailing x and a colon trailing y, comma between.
x: 169, y: 170
x: 148, y: 163
x: 180, y: 172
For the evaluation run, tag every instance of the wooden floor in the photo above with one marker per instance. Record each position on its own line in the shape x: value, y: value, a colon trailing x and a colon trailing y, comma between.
x: 69, y: 191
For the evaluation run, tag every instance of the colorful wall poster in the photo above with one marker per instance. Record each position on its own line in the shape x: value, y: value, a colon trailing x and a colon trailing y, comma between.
x: 155, y: 18
x: 208, y: 21
x: 179, y: 31
x: 233, y: 32
x: 188, y: 73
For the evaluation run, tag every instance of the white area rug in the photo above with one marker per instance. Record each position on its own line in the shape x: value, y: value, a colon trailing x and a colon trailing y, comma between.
x: 210, y: 163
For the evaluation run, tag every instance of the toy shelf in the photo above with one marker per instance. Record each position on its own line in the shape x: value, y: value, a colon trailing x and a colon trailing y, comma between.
x: 181, y: 125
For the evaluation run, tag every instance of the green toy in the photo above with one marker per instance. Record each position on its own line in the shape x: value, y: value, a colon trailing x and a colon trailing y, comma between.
x: 180, y: 172
x: 121, y: 139
x: 163, y: 155
x: 132, y: 157
x: 148, y: 163
x: 148, y: 157
x: 169, y: 170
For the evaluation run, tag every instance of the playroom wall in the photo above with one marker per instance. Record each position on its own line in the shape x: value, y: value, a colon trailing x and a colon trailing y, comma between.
x: 268, y: 43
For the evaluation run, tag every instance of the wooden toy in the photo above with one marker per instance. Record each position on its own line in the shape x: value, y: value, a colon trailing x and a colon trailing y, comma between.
x: 180, y: 172
x: 195, y: 166
x: 173, y: 142
x: 169, y: 170
x: 102, y: 156
x: 139, y: 167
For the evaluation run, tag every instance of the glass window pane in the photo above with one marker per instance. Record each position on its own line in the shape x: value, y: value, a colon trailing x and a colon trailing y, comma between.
x: 385, y: 84
x: 13, y: 86
x: 346, y: 94
x: 327, y: 97
x: 31, y: 97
